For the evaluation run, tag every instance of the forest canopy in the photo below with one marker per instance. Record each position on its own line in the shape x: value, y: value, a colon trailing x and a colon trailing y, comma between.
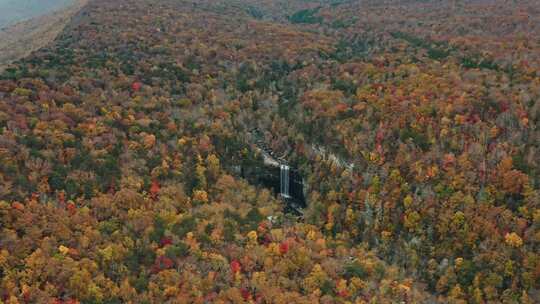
x: 126, y: 148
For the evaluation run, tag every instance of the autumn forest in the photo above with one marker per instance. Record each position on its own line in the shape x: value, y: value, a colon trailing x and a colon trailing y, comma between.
x: 133, y: 165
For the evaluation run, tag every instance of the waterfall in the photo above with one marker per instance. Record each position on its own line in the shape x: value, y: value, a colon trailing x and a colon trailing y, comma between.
x: 284, y: 180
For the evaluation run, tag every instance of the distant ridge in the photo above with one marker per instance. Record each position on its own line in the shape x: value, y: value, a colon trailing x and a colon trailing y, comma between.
x: 21, y: 39
x: 14, y: 11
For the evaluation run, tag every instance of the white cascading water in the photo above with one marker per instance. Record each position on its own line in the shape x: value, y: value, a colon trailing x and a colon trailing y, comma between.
x: 284, y: 180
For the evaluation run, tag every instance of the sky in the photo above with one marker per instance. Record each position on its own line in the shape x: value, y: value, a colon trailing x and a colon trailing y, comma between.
x: 12, y: 11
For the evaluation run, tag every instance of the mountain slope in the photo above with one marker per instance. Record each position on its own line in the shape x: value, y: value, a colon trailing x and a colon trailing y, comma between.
x: 121, y: 144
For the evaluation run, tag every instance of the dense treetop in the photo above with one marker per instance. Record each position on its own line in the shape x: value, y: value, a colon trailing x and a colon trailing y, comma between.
x: 413, y: 123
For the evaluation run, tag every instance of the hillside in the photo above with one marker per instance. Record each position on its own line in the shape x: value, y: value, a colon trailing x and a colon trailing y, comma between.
x: 133, y: 152
x: 13, y: 11
x: 21, y: 38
